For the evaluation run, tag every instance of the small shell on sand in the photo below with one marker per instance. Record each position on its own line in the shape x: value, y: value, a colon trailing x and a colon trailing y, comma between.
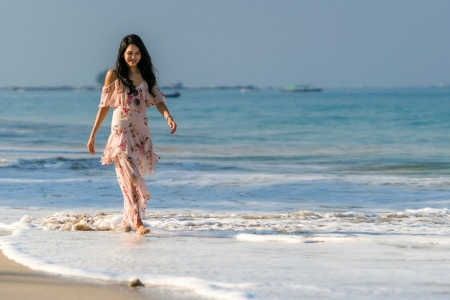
x: 135, y: 282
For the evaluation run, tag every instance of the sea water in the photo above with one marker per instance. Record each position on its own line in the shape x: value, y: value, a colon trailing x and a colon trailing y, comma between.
x: 258, y: 195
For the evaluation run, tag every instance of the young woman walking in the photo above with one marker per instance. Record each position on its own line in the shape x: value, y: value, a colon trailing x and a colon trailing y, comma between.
x: 130, y: 88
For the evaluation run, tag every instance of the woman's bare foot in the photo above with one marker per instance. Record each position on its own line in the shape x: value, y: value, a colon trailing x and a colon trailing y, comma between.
x: 142, y: 230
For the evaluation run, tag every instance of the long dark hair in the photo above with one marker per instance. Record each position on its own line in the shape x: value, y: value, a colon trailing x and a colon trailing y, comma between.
x: 145, y: 64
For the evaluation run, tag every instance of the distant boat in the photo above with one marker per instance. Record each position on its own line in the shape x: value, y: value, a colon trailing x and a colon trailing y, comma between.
x: 249, y: 89
x: 172, y: 95
x: 301, y: 88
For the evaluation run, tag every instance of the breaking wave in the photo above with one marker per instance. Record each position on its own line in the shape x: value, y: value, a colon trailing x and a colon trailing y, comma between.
x: 51, y: 163
x: 253, y: 227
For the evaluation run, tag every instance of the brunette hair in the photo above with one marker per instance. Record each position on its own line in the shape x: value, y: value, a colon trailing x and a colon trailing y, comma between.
x: 145, y: 64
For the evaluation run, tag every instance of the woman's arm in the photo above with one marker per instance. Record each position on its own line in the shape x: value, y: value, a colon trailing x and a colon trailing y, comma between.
x: 101, y: 114
x: 162, y: 108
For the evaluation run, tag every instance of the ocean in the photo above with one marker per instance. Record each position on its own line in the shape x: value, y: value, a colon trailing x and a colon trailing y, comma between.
x: 341, y: 194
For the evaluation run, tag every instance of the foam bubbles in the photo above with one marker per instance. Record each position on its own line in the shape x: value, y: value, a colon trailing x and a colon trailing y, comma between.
x: 261, y: 227
x: 246, y: 265
x: 81, y: 222
x: 24, y: 223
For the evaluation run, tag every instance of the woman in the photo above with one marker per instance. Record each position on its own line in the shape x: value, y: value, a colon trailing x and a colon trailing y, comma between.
x: 131, y: 88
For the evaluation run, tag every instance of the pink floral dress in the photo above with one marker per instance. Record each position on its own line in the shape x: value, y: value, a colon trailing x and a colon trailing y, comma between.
x: 129, y: 145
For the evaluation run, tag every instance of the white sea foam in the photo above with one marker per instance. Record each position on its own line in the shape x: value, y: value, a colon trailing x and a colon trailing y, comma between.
x: 202, y: 287
x: 340, y: 266
x: 271, y: 238
x: 6, y: 162
x: 267, y: 227
x: 24, y: 223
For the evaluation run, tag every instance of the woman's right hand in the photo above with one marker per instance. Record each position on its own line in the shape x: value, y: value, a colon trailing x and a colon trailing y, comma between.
x: 91, y: 145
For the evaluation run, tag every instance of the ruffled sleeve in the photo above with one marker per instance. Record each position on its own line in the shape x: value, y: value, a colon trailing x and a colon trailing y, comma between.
x: 108, y: 97
x: 150, y: 100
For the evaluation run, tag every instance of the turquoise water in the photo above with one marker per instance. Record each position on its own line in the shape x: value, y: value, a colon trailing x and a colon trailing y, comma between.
x: 363, y: 149
x: 342, y: 194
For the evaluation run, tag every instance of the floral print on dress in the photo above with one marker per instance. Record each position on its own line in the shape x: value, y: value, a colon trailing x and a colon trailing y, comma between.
x: 125, y: 113
x: 133, y: 129
x: 129, y: 145
x: 123, y: 146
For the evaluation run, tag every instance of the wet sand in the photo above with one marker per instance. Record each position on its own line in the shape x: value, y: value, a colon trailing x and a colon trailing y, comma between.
x: 20, y: 282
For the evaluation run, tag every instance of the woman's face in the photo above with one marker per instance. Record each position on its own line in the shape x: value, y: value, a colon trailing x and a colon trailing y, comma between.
x: 132, y: 55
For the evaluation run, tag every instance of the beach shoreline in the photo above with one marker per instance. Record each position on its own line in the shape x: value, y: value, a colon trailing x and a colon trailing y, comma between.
x: 20, y: 282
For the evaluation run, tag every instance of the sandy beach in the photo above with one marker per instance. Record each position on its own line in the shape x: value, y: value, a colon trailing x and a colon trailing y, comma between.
x: 19, y: 282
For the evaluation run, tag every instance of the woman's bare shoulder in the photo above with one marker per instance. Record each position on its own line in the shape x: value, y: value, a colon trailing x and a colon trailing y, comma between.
x: 111, y: 76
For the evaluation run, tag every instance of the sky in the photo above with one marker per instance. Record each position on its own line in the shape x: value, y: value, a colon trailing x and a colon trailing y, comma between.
x: 330, y: 43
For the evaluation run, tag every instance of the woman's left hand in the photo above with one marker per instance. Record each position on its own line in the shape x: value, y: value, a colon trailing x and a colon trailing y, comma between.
x: 172, y: 125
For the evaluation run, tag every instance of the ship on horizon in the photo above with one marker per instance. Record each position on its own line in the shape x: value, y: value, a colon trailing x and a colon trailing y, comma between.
x: 301, y: 88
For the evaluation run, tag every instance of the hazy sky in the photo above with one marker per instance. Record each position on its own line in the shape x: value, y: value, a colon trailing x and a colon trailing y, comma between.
x: 210, y: 42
